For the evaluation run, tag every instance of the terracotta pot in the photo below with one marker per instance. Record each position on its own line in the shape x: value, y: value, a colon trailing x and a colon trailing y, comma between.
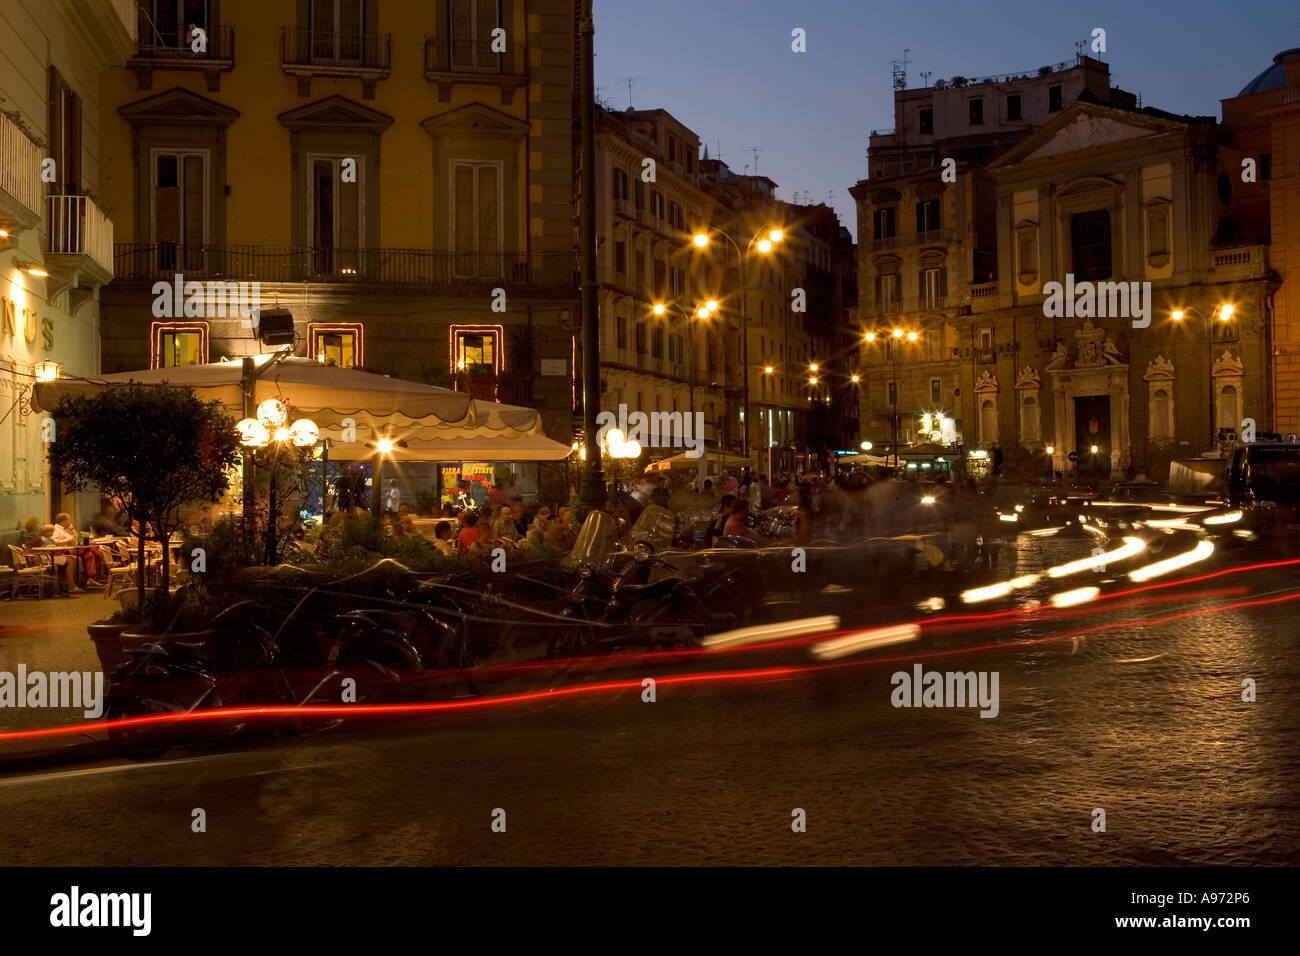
x: 108, y: 644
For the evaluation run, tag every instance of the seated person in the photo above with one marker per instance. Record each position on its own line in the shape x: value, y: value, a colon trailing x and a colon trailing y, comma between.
x: 65, y: 534
x: 31, y: 537
x: 106, y: 522
x: 504, y: 525
x: 442, y: 538
x: 735, y: 523
x: 469, y: 531
x: 66, y: 562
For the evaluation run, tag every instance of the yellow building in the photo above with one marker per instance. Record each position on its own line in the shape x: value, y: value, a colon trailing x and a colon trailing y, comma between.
x: 395, y: 175
x: 56, y: 237
x: 1265, y: 120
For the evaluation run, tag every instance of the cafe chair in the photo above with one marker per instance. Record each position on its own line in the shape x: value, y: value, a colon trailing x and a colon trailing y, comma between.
x: 29, y: 573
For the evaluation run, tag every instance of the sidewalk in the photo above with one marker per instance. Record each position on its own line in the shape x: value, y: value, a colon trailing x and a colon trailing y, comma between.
x: 49, y: 635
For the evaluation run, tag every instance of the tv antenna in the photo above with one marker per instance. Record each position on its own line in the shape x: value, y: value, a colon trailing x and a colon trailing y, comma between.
x: 900, y: 70
x: 756, y: 150
x: 925, y: 76
x: 628, y: 81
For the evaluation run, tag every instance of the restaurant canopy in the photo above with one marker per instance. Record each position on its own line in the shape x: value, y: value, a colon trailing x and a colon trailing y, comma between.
x: 715, y: 461
x: 426, y: 423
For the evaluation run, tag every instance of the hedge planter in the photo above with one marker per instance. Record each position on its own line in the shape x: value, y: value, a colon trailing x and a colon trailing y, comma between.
x: 108, y: 644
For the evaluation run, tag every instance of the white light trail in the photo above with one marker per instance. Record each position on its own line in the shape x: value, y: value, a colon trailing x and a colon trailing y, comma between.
x: 1199, y: 553
x: 771, y: 632
x: 865, y: 640
x: 1130, y: 547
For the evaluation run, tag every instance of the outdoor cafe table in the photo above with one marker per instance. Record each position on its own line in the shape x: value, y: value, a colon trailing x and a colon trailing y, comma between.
x: 51, y: 552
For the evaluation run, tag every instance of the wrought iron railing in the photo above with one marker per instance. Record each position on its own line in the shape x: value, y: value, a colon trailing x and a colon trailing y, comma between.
x: 342, y: 50
x: 473, y: 56
x: 178, y: 49
x: 411, y: 267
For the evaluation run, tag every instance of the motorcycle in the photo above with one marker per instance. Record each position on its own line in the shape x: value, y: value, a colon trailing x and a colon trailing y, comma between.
x: 235, y: 663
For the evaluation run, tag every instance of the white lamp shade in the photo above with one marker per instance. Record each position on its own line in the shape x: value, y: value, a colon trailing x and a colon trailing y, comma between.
x: 304, y: 432
x: 272, y: 413
x: 252, y: 432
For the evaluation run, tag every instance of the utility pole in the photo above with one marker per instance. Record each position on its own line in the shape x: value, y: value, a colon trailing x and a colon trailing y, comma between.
x: 592, y: 494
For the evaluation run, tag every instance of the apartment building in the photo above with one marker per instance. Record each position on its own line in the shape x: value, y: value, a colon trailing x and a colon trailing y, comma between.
x: 1264, y: 118
x: 394, y: 176
x: 56, y: 234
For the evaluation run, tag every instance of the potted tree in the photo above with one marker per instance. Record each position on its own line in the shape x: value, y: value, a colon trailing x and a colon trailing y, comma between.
x: 160, y: 450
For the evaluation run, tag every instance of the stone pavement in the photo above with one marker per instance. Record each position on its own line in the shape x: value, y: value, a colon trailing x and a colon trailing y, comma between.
x: 49, y: 635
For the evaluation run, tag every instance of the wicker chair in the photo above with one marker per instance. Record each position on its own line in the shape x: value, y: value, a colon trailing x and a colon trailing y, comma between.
x: 121, y: 572
x: 27, y: 575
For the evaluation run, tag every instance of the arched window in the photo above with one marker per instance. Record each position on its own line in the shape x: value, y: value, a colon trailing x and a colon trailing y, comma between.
x: 988, y: 420
x: 1029, y: 418
x: 1161, y: 424
x: 1228, y: 410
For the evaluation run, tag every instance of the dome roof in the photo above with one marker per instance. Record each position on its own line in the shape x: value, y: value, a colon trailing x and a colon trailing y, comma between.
x: 1273, y: 78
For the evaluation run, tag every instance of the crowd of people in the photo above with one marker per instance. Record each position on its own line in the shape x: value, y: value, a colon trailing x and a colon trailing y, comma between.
x: 81, y: 567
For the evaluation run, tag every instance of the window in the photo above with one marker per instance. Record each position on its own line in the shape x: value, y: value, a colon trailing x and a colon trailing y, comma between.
x: 889, y: 291
x: 1054, y: 99
x: 675, y: 217
x: 334, y: 214
x: 169, y: 22
x: 927, y: 121
x: 337, y: 344
x: 934, y: 345
x: 336, y: 348
x: 1013, y: 107
x: 927, y: 216
x: 936, y: 392
x: 1090, y: 238
x: 620, y: 331
x: 676, y: 350
x: 476, y: 351
x: 1027, y: 252
x: 1158, y: 229
x: 476, y: 218
x: 1029, y: 418
x: 893, y: 393
x: 679, y: 281
x: 620, y: 257
x: 933, y: 287
x: 1265, y: 167
x: 639, y: 192
x: 883, y: 221
x: 176, y: 344
x: 65, y: 137
x: 976, y: 112
x: 988, y: 420
x: 657, y: 344
x: 470, y: 26
x: 640, y: 338
x: 661, y: 277
x: 1228, y: 416
x: 657, y: 203
x: 336, y: 30
x: 620, y: 183
x: 179, y: 214
x: 1161, y: 424
x: 672, y: 148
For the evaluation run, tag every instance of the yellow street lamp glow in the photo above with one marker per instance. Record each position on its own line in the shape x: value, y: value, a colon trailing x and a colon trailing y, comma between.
x: 1051, y: 449
x: 765, y: 245
x: 1225, y: 311
x: 855, y: 378
x: 898, y: 333
x: 614, y: 438
x: 911, y: 336
x: 871, y: 336
x: 776, y: 235
x: 252, y: 432
x: 813, y: 366
x: 658, y: 308
x: 703, y: 313
x: 1177, y: 315
x: 304, y: 432
x: 272, y: 414
x: 701, y: 240
x: 768, y: 370
x: 385, y: 445
x: 711, y: 305
x: 813, y: 380
x: 282, y: 434
x: 1093, y: 449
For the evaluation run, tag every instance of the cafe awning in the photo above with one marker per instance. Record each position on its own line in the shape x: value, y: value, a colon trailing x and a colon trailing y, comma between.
x: 435, y: 424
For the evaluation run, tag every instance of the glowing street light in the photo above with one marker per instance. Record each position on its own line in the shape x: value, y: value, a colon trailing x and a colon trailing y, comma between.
x: 855, y: 379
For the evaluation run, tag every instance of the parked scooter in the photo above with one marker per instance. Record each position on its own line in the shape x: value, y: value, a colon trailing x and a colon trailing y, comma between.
x: 234, y: 664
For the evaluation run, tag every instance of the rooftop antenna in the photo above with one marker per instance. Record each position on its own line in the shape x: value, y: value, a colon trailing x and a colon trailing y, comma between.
x: 756, y: 150
x: 900, y: 70
x: 628, y: 81
x: 925, y: 76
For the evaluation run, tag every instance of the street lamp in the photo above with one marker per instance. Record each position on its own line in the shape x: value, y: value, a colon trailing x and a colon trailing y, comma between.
x: 1224, y: 312
x: 268, y: 429
x: 764, y: 244
x: 897, y: 335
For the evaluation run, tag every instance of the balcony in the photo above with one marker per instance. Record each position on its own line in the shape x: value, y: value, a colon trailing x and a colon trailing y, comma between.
x: 176, y: 52
x: 930, y: 237
x: 309, y: 53
x: 412, y: 270
x: 986, y: 355
x: 80, y: 251
x: 1239, y: 262
x: 625, y: 209
x: 20, y: 178
x: 448, y: 62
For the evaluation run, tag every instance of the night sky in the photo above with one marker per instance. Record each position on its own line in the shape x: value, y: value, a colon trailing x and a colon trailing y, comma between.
x: 726, y: 70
